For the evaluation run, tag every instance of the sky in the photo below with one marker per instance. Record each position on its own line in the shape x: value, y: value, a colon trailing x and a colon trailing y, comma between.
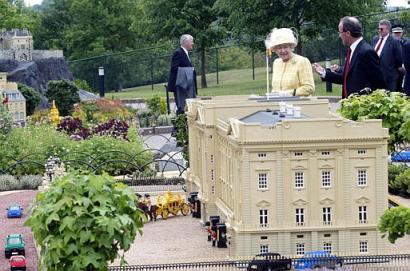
x: 32, y: 2
x: 397, y: 3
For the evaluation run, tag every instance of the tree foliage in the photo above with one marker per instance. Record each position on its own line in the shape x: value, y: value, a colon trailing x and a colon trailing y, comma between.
x: 83, y: 221
x: 85, y: 28
x: 249, y: 19
x: 395, y: 222
x: 64, y: 93
x: 13, y: 14
x: 163, y: 19
x: 32, y: 97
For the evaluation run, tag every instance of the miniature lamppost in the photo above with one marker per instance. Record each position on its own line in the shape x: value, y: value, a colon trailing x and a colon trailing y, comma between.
x: 101, y: 79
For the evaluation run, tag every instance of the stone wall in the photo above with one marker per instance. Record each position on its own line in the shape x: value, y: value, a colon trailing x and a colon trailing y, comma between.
x: 42, y: 54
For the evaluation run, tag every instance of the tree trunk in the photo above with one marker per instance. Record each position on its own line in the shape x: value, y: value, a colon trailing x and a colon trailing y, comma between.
x: 203, y: 70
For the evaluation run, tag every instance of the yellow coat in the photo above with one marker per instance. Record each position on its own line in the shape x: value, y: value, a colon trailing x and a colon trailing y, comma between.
x: 294, y: 74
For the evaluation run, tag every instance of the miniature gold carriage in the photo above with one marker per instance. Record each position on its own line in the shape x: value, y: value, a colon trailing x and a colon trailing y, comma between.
x: 171, y: 203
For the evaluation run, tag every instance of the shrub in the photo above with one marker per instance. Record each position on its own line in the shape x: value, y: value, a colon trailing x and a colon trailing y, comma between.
x: 39, y: 117
x: 84, y: 221
x: 30, y: 181
x: 32, y: 97
x: 157, y: 105
x: 64, y: 93
x: 8, y: 182
x: 114, y: 128
x: 392, y: 107
x: 6, y: 121
x: 82, y: 84
x: 93, y: 112
x: 74, y: 128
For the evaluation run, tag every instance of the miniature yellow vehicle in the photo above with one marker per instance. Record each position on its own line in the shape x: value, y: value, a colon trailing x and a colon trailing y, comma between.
x: 171, y: 203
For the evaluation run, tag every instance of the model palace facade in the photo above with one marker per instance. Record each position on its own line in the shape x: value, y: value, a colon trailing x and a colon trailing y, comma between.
x: 285, y: 183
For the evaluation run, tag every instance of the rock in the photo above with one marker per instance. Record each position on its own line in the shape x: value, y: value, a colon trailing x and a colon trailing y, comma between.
x: 36, y: 74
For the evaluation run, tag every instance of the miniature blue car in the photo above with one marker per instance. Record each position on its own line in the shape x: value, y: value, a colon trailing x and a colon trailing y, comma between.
x: 402, y: 156
x: 14, y: 211
x: 318, y: 259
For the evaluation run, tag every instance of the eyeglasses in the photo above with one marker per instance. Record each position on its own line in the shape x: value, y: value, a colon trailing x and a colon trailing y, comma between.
x: 381, y: 29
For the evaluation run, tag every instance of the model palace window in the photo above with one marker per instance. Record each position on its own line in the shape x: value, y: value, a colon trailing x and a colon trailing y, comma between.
x: 326, y: 178
x: 300, y: 248
x: 327, y: 215
x: 263, y: 217
x: 361, y: 177
x: 300, y: 216
x: 299, y: 179
x: 264, y: 249
x: 298, y: 153
x: 262, y: 154
x: 325, y: 153
x: 363, y: 247
x: 327, y: 246
x: 263, y: 181
x: 361, y: 151
x: 362, y: 214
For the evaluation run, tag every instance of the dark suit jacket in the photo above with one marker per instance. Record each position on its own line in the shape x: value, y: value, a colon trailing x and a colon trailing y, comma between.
x: 406, y: 61
x: 364, y: 71
x: 179, y: 59
x: 391, y: 61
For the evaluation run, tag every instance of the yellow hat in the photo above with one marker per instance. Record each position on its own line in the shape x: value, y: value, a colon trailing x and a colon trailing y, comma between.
x: 280, y: 36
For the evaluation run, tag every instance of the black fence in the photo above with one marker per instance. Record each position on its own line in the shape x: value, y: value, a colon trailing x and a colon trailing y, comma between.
x: 151, y: 65
x: 369, y: 262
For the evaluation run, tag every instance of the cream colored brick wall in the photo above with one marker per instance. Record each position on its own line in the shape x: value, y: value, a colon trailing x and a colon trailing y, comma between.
x: 321, y: 142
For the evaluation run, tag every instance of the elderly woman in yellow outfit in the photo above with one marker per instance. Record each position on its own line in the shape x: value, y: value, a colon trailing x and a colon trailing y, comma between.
x: 292, y: 73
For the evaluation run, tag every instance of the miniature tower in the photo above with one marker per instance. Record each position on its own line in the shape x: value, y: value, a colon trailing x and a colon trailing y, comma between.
x: 54, y: 114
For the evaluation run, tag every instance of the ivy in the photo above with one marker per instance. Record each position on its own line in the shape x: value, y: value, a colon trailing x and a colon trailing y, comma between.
x: 84, y: 221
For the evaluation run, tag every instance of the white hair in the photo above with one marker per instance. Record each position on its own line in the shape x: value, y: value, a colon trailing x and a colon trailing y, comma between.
x: 184, y: 38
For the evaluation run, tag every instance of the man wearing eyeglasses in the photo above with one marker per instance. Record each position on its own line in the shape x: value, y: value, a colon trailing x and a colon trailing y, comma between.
x: 389, y: 51
x: 362, y: 66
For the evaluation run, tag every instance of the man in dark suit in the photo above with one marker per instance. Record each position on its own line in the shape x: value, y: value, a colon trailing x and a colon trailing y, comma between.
x: 180, y: 58
x: 362, y: 66
x: 389, y: 51
x: 398, y: 33
x: 406, y: 62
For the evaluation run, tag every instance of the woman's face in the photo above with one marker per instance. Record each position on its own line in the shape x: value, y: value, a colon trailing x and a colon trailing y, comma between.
x: 284, y: 51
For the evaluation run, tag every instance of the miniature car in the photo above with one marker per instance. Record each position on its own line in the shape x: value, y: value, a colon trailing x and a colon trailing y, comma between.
x: 402, y: 156
x: 17, y: 262
x: 318, y: 259
x: 14, y: 245
x: 269, y: 261
x: 14, y: 211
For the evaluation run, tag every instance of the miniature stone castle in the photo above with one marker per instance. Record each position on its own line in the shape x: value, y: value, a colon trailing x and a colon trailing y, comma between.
x: 17, y: 45
x: 285, y: 182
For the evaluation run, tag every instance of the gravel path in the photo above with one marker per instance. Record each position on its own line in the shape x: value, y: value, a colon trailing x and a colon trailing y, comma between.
x: 15, y: 225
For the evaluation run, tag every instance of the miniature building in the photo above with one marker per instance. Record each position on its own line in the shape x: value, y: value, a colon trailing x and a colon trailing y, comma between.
x: 17, y: 44
x: 13, y: 99
x: 288, y: 184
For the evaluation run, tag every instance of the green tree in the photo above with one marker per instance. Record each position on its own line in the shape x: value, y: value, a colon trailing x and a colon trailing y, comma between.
x: 395, y: 222
x: 13, y: 14
x: 64, y: 93
x: 6, y: 121
x: 83, y: 221
x: 165, y: 19
x: 249, y: 19
x: 32, y: 97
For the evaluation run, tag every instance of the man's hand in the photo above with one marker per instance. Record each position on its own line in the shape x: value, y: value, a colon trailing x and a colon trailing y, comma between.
x: 319, y: 69
x: 335, y: 68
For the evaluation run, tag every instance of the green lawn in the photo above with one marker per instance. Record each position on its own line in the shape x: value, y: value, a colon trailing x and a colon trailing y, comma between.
x: 233, y: 82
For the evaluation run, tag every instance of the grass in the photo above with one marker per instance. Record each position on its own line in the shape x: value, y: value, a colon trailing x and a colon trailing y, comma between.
x: 233, y: 82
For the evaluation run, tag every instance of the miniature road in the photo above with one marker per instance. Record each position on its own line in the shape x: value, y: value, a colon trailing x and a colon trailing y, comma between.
x: 15, y: 225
